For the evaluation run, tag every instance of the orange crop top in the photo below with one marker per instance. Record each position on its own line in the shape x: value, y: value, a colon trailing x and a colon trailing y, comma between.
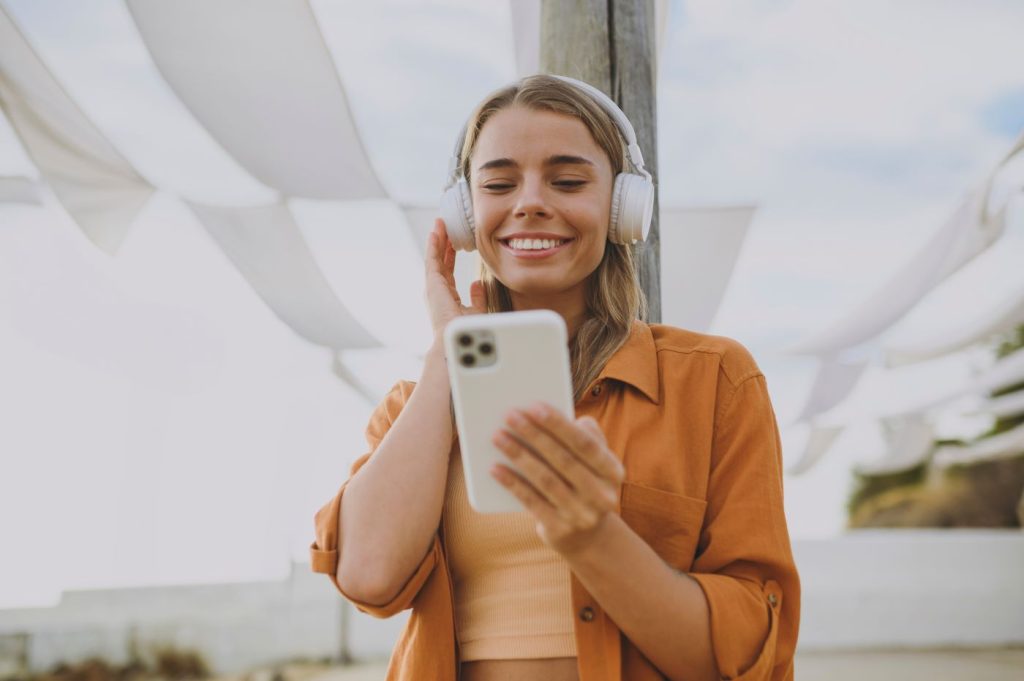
x: 512, y: 591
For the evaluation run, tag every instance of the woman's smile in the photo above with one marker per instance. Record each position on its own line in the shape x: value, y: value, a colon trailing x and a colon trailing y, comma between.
x: 539, y: 246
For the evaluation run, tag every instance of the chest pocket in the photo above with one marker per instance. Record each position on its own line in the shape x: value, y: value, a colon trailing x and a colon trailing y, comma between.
x: 670, y: 523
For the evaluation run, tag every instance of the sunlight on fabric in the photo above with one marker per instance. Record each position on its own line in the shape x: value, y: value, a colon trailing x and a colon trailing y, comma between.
x: 270, y: 251
x: 364, y: 251
x: 280, y: 112
x: 699, y: 248
x: 113, y: 79
x: 93, y: 182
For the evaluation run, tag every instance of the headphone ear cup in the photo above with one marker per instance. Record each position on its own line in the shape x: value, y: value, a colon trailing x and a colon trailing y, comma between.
x: 457, y: 213
x: 632, y: 208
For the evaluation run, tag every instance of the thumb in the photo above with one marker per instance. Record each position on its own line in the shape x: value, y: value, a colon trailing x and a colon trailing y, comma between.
x: 590, y: 423
x: 477, y: 297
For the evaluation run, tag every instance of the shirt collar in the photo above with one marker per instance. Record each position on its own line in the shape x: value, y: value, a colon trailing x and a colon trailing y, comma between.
x: 636, y: 362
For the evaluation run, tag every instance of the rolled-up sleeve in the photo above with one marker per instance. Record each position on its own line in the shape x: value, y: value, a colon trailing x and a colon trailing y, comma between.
x: 744, y: 560
x: 324, y: 551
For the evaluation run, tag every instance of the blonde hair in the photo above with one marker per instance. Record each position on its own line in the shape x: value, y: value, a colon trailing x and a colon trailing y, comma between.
x: 614, y: 297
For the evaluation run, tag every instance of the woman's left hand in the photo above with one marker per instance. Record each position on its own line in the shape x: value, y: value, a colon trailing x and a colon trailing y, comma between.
x: 567, y: 477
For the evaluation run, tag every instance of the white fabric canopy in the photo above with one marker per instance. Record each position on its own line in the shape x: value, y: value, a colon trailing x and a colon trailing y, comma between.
x: 1010, y: 443
x: 970, y: 230
x: 268, y: 249
x: 832, y: 383
x: 1006, y: 372
x: 1003, y: 406
x: 19, y: 190
x: 918, y: 388
x: 911, y: 440
x: 266, y: 88
x: 819, y: 442
x: 961, y: 238
x: 90, y: 178
x: 959, y: 333
x: 699, y: 247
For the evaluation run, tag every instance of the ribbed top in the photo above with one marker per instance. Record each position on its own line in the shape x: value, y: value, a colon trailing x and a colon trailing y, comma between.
x: 512, y: 592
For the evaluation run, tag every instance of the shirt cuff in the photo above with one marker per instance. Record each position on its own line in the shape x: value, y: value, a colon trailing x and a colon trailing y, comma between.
x: 744, y: 625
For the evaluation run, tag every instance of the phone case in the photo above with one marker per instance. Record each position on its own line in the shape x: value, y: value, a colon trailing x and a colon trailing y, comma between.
x: 528, y: 361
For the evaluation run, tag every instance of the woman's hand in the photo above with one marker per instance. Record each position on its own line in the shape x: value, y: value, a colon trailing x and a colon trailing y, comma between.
x: 568, y: 478
x: 442, y: 297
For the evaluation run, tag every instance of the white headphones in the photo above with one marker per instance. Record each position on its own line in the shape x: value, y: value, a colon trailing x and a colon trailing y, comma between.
x: 632, y: 196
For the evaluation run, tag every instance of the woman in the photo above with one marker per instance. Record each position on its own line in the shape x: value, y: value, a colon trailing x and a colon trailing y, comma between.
x: 653, y: 542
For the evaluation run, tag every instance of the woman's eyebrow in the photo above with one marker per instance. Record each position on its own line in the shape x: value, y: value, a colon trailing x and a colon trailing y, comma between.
x: 556, y: 160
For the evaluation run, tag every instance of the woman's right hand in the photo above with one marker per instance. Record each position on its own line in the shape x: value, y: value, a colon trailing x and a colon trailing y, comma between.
x: 443, y: 298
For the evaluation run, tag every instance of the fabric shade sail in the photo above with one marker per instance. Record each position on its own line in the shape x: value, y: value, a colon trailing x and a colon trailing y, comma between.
x: 819, y: 441
x: 832, y: 383
x: 1004, y: 406
x: 92, y: 181
x: 961, y: 238
x: 991, y: 319
x: 19, y: 190
x: 1009, y: 443
x: 971, y: 229
x: 911, y: 440
x: 267, y: 248
x: 699, y: 249
x: 265, y: 88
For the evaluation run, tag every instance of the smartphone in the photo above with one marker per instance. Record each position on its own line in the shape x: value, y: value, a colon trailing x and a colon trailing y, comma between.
x: 498, y: 362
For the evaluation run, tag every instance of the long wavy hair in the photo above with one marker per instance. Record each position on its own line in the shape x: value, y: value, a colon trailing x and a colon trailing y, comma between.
x: 614, y: 297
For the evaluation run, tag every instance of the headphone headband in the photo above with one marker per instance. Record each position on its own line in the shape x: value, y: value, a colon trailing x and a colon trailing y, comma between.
x: 636, y: 157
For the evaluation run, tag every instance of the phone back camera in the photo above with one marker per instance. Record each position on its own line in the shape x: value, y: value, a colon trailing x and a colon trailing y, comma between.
x: 476, y: 349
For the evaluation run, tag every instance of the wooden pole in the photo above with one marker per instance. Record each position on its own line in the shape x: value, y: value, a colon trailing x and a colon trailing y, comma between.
x: 610, y: 44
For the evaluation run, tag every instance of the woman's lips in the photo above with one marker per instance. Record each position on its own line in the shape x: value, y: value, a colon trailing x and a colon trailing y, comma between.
x: 535, y: 253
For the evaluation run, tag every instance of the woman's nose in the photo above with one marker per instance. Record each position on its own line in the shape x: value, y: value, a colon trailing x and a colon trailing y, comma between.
x: 531, y: 201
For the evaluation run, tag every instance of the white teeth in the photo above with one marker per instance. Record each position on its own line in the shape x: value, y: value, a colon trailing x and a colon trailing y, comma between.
x: 534, y: 244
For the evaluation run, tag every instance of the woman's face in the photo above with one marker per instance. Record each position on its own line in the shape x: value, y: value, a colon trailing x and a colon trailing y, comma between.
x: 541, y: 190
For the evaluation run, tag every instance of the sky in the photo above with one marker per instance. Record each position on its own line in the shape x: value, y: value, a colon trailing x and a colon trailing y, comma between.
x: 166, y: 427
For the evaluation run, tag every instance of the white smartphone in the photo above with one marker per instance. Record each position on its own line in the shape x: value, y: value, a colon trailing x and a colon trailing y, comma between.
x: 498, y: 362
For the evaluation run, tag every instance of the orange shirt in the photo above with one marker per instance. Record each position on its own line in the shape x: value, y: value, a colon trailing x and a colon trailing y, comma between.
x: 691, y: 418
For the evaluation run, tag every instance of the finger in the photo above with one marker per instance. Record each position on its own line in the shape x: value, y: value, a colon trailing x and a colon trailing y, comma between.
x: 478, y: 296
x: 594, y: 489
x: 590, y: 423
x: 588, y: 447
x: 435, y: 244
x: 449, y: 261
x: 531, y: 500
x: 569, y: 505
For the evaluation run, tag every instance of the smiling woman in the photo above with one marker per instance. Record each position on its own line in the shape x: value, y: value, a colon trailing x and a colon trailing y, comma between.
x: 657, y: 510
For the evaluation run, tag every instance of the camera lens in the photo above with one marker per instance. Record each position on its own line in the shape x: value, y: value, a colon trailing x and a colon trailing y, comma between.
x: 465, y: 340
x: 468, y: 360
x: 486, y: 348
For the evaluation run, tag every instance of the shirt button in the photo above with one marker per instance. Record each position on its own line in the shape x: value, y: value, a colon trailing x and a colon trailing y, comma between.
x: 587, y: 614
x: 596, y: 390
x: 772, y: 600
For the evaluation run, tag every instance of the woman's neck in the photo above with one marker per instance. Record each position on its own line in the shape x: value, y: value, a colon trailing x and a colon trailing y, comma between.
x: 571, y: 307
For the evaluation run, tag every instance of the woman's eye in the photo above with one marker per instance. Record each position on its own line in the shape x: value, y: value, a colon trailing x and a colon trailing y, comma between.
x: 570, y: 183
x: 497, y: 186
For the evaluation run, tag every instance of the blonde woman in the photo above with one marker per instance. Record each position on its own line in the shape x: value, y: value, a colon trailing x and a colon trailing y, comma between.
x: 652, y: 542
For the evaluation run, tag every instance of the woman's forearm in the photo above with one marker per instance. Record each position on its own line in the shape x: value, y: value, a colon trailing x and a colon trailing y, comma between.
x: 391, y: 508
x: 663, y: 612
